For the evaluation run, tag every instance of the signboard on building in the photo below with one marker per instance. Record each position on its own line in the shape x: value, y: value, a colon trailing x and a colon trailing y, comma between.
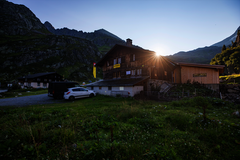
x: 116, y: 66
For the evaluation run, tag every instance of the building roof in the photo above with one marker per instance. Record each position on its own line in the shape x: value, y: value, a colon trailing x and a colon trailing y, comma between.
x: 118, y: 82
x: 36, y: 75
x: 117, y: 46
x: 200, y: 65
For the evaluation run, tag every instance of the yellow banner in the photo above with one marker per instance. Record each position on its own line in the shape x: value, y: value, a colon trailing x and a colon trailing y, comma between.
x: 94, y: 72
x: 116, y: 66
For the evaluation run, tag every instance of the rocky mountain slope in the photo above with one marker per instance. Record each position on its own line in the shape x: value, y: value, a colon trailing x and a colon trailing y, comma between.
x: 18, y: 20
x: 203, y: 55
x: 200, y: 55
x: 227, y: 41
x: 102, y: 38
x: 27, y: 47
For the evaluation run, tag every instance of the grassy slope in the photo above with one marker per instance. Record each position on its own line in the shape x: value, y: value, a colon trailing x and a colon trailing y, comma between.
x: 116, y: 128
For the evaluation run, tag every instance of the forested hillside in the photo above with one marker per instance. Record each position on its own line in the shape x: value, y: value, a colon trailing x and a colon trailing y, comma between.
x: 230, y: 56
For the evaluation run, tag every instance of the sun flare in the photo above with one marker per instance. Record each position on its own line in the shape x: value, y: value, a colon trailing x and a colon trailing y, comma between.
x: 158, y: 54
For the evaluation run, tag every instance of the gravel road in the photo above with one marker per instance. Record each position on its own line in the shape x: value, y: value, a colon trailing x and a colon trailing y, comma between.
x: 29, y: 100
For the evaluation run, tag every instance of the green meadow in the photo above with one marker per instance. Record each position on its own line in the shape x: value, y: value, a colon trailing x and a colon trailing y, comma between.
x: 118, y: 128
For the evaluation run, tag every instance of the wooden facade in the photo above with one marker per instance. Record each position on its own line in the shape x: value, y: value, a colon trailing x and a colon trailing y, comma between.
x: 124, y: 61
x: 202, y: 73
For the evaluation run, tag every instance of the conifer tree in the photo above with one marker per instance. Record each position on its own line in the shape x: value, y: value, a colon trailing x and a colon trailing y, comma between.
x: 224, y: 48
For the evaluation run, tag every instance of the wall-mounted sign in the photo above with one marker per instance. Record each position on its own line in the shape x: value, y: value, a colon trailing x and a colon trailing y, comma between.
x: 116, y: 66
x: 200, y: 75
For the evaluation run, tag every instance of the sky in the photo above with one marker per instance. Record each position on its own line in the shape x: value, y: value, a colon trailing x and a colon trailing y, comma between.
x: 163, y: 26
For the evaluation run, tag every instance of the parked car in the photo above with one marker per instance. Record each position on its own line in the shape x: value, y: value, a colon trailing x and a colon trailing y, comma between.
x: 57, y: 89
x: 78, y: 92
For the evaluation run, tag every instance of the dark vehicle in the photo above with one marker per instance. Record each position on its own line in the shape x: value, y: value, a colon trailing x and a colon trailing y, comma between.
x: 57, y: 89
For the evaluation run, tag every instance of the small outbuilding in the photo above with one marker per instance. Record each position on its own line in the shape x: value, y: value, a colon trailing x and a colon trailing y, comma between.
x: 39, y: 80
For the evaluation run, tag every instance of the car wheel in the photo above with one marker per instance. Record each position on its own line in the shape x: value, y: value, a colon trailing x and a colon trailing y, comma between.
x: 91, y: 95
x: 71, y: 98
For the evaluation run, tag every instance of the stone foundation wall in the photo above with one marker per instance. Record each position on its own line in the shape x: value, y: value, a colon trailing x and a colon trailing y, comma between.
x: 154, y: 83
x: 230, y: 92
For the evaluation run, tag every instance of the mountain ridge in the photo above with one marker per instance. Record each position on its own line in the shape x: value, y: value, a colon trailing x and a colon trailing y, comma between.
x: 205, y: 54
x: 99, y: 37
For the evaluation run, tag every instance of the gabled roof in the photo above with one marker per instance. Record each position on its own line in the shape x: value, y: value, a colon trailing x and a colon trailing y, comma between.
x: 36, y: 75
x: 118, y: 82
x: 118, y: 46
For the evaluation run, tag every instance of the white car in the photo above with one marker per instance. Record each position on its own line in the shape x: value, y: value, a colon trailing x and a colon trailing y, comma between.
x: 78, y: 92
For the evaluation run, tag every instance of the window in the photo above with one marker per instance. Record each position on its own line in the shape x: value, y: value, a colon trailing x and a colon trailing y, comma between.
x: 92, y: 88
x: 200, y: 75
x: 165, y: 73
x: 119, y: 60
x: 100, y: 88
x: 29, y: 84
x: 114, y: 75
x: 83, y: 89
x: 45, y: 80
x: 49, y: 80
x: 44, y: 84
x: 118, y: 74
x: 38, y: 83
x: 128, y: 72
x: 133, y: 57
x: 133, y: 72
x: 121, y: 88
x: 38, y: 79
x: 139, y: 72
x: 110, y: 88
x: 114, y: 61
x: 76, y: 90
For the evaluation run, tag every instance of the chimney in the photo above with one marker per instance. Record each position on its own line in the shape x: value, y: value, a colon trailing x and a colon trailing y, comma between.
x: 129, y: 42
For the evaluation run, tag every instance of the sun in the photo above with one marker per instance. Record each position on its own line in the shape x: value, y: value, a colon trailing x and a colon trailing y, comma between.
x: 157, y: 54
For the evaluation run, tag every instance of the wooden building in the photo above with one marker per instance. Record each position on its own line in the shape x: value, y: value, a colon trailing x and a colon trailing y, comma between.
x: 39, y: 80
x: 130, y: 69
x: 202, y: 73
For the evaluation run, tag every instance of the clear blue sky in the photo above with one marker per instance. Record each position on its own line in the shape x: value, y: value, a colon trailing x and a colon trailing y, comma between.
x: 164, y: 26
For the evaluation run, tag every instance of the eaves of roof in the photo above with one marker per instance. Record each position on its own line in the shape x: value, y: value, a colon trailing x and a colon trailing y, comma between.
x: 201, y: 65
x: 36, y: 75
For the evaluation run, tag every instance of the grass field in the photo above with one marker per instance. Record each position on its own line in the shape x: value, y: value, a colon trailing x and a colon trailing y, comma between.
x: 23, y: 92
x: 121, y: 128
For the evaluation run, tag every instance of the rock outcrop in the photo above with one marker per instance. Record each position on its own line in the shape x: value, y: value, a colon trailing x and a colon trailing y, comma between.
x: 230, y: 92
x: 18, y: 20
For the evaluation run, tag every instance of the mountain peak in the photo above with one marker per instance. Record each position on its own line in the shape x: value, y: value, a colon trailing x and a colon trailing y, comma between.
x: 227, y: 41
x: 103, y: 31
